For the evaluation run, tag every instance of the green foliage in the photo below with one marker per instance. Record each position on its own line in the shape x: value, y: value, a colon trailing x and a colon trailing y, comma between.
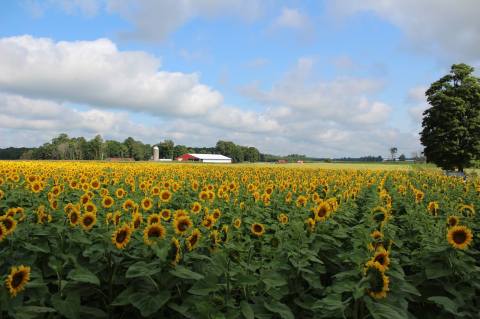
x: 451, y: 126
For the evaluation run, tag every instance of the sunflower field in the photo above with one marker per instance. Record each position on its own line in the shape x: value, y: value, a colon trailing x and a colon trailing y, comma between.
x: 132, y: 240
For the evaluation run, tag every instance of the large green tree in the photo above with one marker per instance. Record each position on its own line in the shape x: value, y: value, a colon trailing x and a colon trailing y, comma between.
x: 451, y: 126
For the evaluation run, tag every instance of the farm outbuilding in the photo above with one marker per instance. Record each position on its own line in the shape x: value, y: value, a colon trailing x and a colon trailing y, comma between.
x: 204, y: 158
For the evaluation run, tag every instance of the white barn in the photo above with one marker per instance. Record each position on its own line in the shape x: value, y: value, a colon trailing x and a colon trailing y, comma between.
x: 205, y: 158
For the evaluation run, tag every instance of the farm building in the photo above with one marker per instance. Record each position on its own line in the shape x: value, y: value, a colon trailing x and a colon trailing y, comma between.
x: 204, y: 158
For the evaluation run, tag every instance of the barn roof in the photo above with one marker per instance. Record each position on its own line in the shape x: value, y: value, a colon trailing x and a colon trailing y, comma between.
x: 210, y: 157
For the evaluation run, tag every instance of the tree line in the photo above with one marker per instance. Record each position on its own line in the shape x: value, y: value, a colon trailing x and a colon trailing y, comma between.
x: 64, y: 147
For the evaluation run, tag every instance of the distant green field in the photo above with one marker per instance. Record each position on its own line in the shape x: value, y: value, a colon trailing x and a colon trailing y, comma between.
x: 373, y: 166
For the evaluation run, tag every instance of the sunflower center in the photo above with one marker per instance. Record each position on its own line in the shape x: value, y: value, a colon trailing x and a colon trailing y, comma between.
x: 380, y: 259
x: 193, y: 240
x: 376, y: 280
x: 7, y: 223
x: 459, y: 237
x: 74, y: 218
x: 154, y: 232
x: 121, y: 236
x: 88, y: 221
x: 17, y: 279
x: 322, y: 212
x: 182, y: 226
x: 257, y: 228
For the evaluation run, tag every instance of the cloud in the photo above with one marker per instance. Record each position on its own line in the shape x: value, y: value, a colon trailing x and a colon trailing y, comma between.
x: 293, y: 19
x: 97, y: 73
x: 298, y: 96
x: 446, y: 28
x: 154, y: 20
x: 418, y: 103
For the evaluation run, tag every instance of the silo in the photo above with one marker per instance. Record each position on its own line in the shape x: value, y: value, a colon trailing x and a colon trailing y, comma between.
x: 156, y: 153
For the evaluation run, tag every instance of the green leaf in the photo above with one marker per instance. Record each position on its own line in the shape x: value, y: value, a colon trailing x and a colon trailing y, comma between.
x: 380, y: 310
x: 445, y: 303
x: 69, y: 308
x: 204, y: 287
x: 142, y: 269
x: 123, y: 298
x: 280, y: 309
x: 274, y: 279
x: 437, y: 270
x: 42, y: 247
x: 84, y: 275
x: 149, y: 304
x: 30, y: 312
x: 182, y: 272
x: 93, y: 312
x: 247, y: 310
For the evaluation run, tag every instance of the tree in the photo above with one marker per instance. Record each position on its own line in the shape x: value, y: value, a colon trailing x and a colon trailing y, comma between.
x: 451, y: 126
x: 393, y: 151
x: 402, y: 157
x: 165, y: 149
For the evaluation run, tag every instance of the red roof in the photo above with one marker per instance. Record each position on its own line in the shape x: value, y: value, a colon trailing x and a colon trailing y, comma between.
x: 186, y: 157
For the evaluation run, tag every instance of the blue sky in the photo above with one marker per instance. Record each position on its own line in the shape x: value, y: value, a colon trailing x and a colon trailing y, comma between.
x: 323, y: 78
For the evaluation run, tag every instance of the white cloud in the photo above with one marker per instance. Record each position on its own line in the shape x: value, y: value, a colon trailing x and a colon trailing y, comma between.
x: 446, y: 28
x: 154, y: 20
x: 292, y: 18
x: 301, y: 96
x: 418, y: 103
x: 97, y: 73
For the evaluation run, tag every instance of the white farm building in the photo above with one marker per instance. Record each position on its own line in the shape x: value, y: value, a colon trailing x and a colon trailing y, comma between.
x: 204, y: 158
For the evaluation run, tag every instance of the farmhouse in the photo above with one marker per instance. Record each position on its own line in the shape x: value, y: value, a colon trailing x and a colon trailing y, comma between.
x: 204, y: 158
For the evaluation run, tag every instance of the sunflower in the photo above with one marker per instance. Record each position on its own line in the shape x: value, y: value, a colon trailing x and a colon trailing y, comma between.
x: 137, y: 220
x: 153, y: 232
x: 257, y: 229
x: 179, y: 213
x: 322, y: 212
x: 36, y: 187
x: 116, y: 217
x: 468, y: 209
x: 17, y: 279
x: 166, y: 214
x: 120, y: 193
x: 433, y: 208
x: 73, y: 217
x: 165, y: 195
x: 283, y: 219
x: 182, y: 224
x: 203, y: 195
x: 85, y: 198
x: 380, y: 214
x: 87, y: 220
x: 459, y: 237
x: 382, y: 257
x: 174, y: 254
x: 90, y: 208
x: 128, y: 205
x: 107, y: 202
x: 224, y: 233
x: 9, y: 224
x: 147, y: 203
x: 193, y: 239
x: 214, y: 240
x: 121, y: 236
x: 377, y: 280
x: 216, y: 213
x: 301, y: 201
x: 310, y: 224
x: 3, y: 232
x: 208, y: 221
x: 237, y: 223
x: 376, y: 235
x: 419, y: 196
x: 196, y: 207
x: 153, y: 219
x: 453, y: 221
